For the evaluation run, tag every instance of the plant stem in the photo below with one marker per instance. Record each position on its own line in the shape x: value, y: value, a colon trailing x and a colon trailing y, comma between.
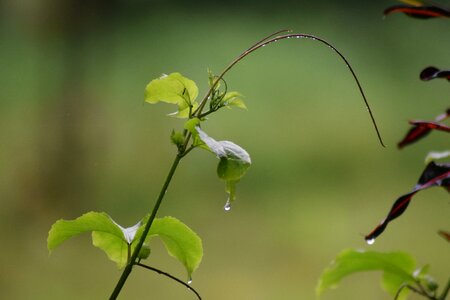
x: 126, y: 272
x: 445, y: 291
x: 269, y: 40
x: 171, y: 277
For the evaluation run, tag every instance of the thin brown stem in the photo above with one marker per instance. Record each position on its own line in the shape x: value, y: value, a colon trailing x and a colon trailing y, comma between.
x: 171, y: 277
x: 269, y: 40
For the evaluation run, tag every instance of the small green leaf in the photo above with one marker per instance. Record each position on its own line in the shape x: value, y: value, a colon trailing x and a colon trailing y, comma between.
x: 231, y: 169
x: 173, y: 88
x: 234, y: 161
x: 91, y: 221
x: 392, y: 283
x: 211, y: 79
x: 233, y: 99
x: 107, y: 235
x: 396, y: 266
x: 180, y: 241
x: 145, y: 252
x: 191, y: 124
x: 177, y: 138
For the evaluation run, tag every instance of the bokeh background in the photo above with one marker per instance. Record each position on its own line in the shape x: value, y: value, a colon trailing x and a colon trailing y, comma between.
x: 76, y: 136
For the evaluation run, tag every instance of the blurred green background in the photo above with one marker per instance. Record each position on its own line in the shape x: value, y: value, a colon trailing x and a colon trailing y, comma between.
x: 76, y: 136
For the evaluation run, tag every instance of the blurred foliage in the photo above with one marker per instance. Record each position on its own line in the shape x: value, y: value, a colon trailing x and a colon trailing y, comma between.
x: 77, y: 136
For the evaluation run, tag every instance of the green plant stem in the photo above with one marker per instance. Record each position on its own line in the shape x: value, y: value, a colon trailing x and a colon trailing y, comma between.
x: 171, y: 277
x: 126, y: 272
x: 445, y: 291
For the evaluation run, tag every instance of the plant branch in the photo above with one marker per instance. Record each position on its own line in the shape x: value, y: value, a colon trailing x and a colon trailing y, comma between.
x: 128, y: 268
x: 270, y: 39
x: 445, y: 291
x: 171, y: 277
x: 420, y: 291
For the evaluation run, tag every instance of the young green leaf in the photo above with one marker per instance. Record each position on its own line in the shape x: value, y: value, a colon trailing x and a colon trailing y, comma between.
x: 233, y: 99
x: 91, y: 221
x: 397, y: 268
x: 107, y: 235
x: 176, y: 89
x: 118, y: 242
x: 115, y: 248
x: 180, y: 241
x: 234, y: 161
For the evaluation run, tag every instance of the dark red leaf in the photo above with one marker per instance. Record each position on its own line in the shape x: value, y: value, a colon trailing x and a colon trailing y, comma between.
x: 433, y: 72
x: 445, y: 234
x: 421, y: 128
x: 414, y: 134
x: 421, y: 11
x: 431, y: 125
x: 433, y: 175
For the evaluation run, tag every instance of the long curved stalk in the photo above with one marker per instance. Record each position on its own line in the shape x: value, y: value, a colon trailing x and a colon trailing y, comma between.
x: 269, y: 40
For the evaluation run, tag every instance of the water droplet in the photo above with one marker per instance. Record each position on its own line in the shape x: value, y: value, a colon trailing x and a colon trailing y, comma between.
x: 370, y: 241
x: 189, y: 281
x: 227, y: 206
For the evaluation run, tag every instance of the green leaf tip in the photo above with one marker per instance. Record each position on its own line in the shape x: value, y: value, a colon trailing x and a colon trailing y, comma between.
x: 397, y: 268
x: 175, y: 89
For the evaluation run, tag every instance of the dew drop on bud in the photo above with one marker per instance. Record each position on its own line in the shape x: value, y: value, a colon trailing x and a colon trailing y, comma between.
x: 227, y: 206
x: 189, y: 281
x: 370, y: 241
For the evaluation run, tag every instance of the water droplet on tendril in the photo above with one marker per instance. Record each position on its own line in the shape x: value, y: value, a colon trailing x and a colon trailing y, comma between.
x: 227, y: 206
x: 370, y: 241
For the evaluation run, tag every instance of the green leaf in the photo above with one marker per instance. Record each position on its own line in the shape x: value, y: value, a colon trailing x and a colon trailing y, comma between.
x: 211, y: 79
x: 397, y: 268
x: 115, y: 248
x: 180, y: 241
x: 191, y: 124
x: 91, y: 221
x: 231, y: 169
x: 145, y: 252
x: 177, y: 138
x: 107, y: 235
x: 234, y: 161
x: 173, y: 88
x: 392, y: 283
x: 118, y: 250
x: 233, y: 99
